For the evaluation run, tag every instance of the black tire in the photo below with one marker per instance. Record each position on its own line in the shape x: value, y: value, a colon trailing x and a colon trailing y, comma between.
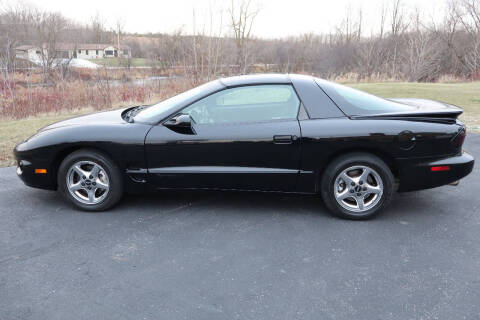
x: 344, y: 162
x: 115, y: 189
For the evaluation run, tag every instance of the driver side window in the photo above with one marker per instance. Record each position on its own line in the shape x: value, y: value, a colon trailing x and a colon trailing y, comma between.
x: 257, y: 103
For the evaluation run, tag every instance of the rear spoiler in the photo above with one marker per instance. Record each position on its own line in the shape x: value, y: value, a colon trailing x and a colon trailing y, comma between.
x: 425, y: 110
x: 430, y: 108
x: 445, y: 118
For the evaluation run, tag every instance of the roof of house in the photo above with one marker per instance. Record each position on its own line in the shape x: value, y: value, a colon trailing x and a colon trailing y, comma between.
x: 76, y: 46
x: 87, y: 46
x: 25, y: 47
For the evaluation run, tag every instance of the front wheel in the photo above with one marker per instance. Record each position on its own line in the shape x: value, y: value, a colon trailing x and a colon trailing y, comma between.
x: 90, y: 180
x: 357, y: 186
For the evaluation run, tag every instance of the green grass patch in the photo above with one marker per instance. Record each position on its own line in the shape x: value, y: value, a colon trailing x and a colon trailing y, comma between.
x: 115, y: 62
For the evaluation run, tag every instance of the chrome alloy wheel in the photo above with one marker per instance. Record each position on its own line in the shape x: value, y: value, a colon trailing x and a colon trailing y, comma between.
x: 358, y: 188
x: 88, y: 182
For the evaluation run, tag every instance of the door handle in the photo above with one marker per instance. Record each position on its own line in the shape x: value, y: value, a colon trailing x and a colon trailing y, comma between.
x: 284, y: 139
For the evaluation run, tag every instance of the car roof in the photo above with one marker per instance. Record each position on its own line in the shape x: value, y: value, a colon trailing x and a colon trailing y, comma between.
x: 267, y: 78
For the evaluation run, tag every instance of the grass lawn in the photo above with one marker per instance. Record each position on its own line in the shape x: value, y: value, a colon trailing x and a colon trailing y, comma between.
x: 465, y: 95
x: 114, y: 62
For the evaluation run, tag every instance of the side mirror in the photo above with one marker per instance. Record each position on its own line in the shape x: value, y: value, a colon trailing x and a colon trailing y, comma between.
x: 179, y: 121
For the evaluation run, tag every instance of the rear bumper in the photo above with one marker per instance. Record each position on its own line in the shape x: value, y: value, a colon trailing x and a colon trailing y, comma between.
x: 419, y: 176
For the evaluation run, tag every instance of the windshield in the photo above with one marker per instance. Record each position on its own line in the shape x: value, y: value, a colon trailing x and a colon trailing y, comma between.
x: 356, y: 102
x: 165, y: 107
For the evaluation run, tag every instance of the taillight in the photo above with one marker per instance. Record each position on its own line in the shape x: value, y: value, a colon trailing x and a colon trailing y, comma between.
x: 440, y: 168
x: 459, y: 138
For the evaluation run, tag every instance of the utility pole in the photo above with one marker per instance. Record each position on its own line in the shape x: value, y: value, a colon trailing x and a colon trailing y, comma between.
x: 118, y: 42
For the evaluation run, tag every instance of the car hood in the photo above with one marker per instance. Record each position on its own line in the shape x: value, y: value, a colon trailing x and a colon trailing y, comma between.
x: 105, y: 117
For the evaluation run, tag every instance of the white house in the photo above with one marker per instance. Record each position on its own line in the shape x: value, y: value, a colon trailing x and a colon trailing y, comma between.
x: 72, y: 50
x: 27, y: 52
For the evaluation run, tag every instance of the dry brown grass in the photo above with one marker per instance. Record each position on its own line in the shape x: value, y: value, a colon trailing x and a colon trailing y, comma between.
x: 24, y: 102
x: 29, y: 77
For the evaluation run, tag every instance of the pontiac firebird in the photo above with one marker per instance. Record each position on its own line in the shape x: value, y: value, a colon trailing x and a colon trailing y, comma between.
x: 279, y: 133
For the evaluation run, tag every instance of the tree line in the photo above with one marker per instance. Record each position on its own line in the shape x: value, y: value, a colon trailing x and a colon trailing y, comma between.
x: 404, y: 46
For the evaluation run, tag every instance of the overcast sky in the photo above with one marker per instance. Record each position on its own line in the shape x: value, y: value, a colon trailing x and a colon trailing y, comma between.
x: 276, y: 18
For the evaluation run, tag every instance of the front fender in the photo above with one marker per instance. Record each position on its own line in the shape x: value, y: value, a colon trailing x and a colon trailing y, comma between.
x: 123, y: 143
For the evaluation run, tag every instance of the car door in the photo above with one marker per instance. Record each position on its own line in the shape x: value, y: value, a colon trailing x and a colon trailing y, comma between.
x: 245, y: 138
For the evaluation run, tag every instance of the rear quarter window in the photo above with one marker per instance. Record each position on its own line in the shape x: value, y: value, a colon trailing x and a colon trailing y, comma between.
x: 355, y: 102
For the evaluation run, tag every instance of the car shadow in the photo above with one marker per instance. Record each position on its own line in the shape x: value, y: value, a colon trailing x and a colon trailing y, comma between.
x: 403, y: 205
x: 245, y: 202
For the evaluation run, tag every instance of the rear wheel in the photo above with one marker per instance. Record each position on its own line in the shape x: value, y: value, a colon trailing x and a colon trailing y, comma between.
x: 90, y: 180
x: 357, y: 186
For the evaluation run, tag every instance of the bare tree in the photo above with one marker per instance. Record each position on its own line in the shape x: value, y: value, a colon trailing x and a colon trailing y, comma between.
x: 383, y: 19
x: 215, y: 42
x: 14, y: 27
x: 242, y: 17
x: 48, y: 27
x: 7, y: 64
x: 97, y: 25
x: 398, y: 23
x: 422, y: 57
x: 468, y: 12
x: 350, y: 29
x: 119, y: 26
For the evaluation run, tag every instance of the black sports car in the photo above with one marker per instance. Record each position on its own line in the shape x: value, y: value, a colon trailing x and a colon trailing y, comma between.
x: 282, y: 133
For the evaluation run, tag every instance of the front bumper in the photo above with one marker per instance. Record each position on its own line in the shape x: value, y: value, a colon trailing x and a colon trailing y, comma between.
x: 26, y: 165
x: 419, y: 176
